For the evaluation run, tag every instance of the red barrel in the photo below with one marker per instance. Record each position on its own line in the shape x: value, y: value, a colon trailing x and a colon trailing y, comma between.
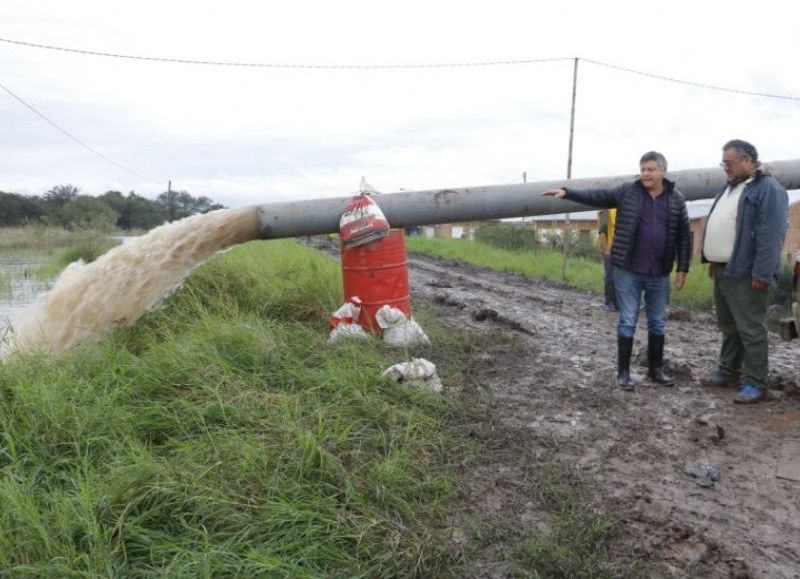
x: 378, y: 274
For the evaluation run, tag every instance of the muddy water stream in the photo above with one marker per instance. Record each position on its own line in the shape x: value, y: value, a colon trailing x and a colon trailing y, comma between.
x: 87, y: 300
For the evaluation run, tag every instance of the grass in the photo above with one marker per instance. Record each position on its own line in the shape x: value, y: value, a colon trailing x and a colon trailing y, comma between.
x: 580, y: 542
x: 83, y: 249
x: 221, y: 437
x: 40, y: 237
x: 583, y: 274
x: 47, y: 250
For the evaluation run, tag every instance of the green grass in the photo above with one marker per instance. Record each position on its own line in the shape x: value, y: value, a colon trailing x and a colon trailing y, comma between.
x: 222, y: 437
x: 52, y: 247
x: 40, y: 237
x: 581, y: 541
x: 86, y: 249
x: 583, y: 274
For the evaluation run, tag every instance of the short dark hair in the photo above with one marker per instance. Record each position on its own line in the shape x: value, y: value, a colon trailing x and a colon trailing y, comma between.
x: 742, y: 148
x: 654, y: 156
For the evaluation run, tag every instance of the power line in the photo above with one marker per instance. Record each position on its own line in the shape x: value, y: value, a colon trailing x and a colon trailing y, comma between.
x: 691, y: 83
x: 472, y: 64
x: 283, y: 65
x: 74, y: 138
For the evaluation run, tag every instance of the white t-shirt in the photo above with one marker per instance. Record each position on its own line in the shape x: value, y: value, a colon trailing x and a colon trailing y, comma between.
x: 721, y: 225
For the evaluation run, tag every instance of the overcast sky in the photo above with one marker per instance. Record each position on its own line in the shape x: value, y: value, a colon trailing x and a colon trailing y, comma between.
x: 247, y: 135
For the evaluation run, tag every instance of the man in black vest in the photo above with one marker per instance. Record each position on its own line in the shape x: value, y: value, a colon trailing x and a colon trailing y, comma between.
x: 652, y: 232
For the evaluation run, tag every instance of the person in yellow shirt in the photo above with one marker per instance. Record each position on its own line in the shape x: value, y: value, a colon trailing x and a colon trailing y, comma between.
x: 607, y: 220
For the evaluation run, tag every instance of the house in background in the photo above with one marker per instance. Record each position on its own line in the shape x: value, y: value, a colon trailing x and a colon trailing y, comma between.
x: 585, y: 223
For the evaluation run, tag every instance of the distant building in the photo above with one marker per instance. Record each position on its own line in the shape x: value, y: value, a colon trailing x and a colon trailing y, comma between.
x: 585, y: 223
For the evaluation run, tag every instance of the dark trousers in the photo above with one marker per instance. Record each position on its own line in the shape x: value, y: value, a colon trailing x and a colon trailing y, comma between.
x: 608, y: 282
x: 742, y: 319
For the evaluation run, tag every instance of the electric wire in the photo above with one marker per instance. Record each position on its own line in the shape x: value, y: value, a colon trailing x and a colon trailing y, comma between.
x: 285, y: 65
x: 400, y: 66
x: 345, y: 67
x: 689, y: 82
x: 74, y: 138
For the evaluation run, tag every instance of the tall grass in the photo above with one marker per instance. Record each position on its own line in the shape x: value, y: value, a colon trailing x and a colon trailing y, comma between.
x: 40, y: 237
x: 83, y: 249
x: 222, y: 437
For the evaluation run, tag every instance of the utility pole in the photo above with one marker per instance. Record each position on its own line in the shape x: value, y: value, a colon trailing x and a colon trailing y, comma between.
x: 170, y: 203
x: 524, y: 180
x: 565, y: 241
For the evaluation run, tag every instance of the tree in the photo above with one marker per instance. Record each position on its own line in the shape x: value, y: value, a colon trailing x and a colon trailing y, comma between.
x: 60, y: 195
x: 64, y: 206
x: 115, y: 200
x: 179, y: 204
x: 141, y: 213
x: 85, y: 212
x: 18, y: 209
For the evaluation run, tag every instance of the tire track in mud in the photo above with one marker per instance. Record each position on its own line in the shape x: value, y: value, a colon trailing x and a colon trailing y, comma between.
x: 551, y: 395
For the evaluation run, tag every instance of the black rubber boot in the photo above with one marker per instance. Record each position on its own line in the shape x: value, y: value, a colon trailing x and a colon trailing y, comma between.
x: 655, y: 360
x: 624, y: 350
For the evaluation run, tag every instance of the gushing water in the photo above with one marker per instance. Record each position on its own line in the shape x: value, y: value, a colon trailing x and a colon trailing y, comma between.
x: 88, y: 300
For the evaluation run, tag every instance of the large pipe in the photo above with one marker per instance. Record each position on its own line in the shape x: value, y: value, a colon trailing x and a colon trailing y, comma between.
x: 411, y: 208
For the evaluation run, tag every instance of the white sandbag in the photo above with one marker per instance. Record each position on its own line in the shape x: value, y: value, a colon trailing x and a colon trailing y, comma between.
x: 346, y: 332
x: 347, y: 313
x: 418, y: 372
x: 398, y: 330
x: 344, y: 324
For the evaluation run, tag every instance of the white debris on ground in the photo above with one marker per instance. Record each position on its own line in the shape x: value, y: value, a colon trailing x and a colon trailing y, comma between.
x: 344, y: 322
x: 418, y: 372
x: 400, y: 331
x: 345, y: 332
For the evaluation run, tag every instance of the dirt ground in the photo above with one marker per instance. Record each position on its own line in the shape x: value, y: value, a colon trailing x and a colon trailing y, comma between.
x: 547, y: 392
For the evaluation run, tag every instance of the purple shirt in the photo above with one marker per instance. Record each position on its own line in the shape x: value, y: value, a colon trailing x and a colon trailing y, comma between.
x: 650, y: 245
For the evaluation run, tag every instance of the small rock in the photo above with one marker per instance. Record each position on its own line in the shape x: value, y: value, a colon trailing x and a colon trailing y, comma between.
x: 706, y: 474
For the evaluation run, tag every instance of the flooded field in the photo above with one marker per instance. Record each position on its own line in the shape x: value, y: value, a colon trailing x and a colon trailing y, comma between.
x: 19, y: 284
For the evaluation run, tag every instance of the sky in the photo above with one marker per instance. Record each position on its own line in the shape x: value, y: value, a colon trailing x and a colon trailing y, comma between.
x: 250, y: 135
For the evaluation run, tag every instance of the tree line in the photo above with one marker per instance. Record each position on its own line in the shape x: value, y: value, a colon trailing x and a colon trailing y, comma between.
x: 65, y: 206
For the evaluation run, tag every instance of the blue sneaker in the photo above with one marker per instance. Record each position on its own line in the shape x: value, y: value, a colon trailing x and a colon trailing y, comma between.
x: 749, y: 394
x: 719, y: 378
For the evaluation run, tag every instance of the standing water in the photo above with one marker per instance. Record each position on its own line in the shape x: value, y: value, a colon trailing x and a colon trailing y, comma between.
x: 19, y: 285
x: 88, y: 300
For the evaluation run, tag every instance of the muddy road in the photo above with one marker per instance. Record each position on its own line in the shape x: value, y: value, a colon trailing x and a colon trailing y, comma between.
x: 545, y: 393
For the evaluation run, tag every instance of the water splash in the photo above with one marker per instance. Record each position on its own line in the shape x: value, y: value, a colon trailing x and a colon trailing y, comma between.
x: 88, y: 300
